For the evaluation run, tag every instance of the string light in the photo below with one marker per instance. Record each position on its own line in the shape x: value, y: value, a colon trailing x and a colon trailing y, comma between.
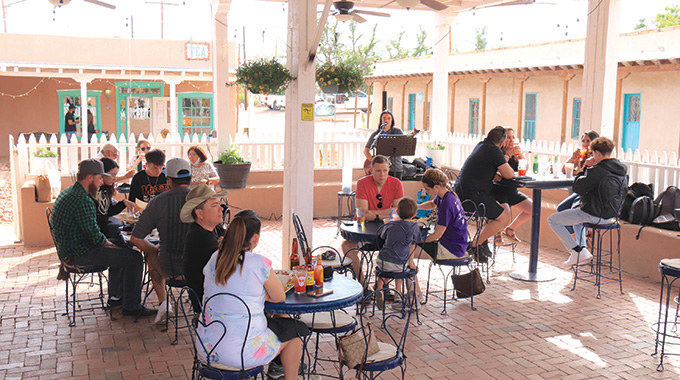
x: 26, y: 93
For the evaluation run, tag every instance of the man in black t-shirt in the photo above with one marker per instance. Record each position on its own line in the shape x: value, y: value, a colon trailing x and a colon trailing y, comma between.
x: 151, y: 181
x: 204, y: 211
x: 475, y: 181
x: 70, y: 122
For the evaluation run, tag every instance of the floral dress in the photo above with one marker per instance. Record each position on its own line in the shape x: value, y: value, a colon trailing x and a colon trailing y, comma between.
x: 262, y: 344
x: 200, y: 173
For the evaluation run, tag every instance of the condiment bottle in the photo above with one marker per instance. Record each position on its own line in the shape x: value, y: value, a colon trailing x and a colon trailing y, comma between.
x: 294, y: 256
x: 310, y: 270
x: 318, y: 273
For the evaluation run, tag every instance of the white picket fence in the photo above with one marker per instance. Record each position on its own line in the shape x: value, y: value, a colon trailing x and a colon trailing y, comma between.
x: 331, y: 150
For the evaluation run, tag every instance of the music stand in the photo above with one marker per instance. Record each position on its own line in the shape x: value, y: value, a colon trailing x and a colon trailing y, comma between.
x: 396, y: 145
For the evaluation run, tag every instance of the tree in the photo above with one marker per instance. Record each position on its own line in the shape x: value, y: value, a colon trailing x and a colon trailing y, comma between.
x: 421, y: 48
x: 670, y: 18
x: 642, y: 24
x: 330, y: 46
x: 395, y: 48
x: 480, y: 39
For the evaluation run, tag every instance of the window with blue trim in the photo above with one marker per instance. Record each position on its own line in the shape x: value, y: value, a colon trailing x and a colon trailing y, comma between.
x: 576, y: 119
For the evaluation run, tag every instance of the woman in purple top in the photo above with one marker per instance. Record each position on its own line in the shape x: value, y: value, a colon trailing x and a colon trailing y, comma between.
x: 451, y: 230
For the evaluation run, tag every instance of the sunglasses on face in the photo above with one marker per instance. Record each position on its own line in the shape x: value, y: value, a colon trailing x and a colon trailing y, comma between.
x: 143, y: 149
x: 379, y: 198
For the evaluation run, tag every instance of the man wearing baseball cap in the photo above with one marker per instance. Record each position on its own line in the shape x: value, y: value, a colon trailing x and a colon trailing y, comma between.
x: 79, y: 240
x: 162, y: 213
x: 205, y: 213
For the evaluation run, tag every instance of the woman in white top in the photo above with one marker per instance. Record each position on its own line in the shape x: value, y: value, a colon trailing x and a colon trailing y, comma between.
x: 234, y: 268
x: 138, y: 161
x: 202, y: 171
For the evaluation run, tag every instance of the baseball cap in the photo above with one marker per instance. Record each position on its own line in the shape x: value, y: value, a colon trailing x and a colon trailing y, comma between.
x: 178, y: 168
x: 92, y: 166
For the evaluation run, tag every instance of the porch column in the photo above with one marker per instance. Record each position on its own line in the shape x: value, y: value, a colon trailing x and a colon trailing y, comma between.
x: 520, y: 106
x: 440, y: 79
x: 224, y: 120
x: 174, y: 127
x: 565, y: 105
x: 83, y: 109
x: 298, y: 168
x: 600, y: 67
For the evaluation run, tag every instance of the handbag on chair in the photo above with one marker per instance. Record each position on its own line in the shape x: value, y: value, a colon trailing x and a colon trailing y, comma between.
x: 353, y: 347
x: 461, y: 283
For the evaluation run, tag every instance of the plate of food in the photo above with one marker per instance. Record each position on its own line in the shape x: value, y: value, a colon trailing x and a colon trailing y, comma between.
x: 286, y: 277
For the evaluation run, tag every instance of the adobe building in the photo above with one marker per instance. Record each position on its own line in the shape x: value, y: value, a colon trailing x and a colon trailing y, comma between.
x: 131, y: 85
x: 537, y: 90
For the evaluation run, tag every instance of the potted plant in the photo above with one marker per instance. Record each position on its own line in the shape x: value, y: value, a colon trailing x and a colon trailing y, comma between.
x: 263, y: 76
x: 338, y: 79
x: 45, y: 159
x: 232, y: 169
x: 435, y: 151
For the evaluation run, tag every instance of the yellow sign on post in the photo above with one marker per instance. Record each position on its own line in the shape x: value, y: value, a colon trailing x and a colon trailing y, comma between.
x: 307, y: 111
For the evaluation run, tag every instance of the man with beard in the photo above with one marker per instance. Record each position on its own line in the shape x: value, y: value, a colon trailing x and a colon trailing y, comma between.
x: 79, y: 240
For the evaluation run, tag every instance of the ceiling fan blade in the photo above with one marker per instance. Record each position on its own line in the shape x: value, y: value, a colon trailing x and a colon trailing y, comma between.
x: 103, y: 4
x: 434, y: 4
x: 372, y: 13
x: 386, y: 4
x: 357, y: 18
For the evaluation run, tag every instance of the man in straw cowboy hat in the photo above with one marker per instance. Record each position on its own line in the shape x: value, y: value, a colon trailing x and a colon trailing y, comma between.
x: 205, y: 213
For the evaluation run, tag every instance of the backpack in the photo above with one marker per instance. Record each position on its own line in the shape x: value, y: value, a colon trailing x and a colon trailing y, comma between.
x: 635, y: 191
x: 666, y: 203
x: 641, y: 212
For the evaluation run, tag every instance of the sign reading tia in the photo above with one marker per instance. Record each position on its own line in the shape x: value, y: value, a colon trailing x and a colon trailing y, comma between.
x: 197, y: 51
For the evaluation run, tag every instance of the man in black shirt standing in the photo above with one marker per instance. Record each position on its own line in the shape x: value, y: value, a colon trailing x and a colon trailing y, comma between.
x: 70, y: 122
x: 475, y: 182
x: 204, y: 211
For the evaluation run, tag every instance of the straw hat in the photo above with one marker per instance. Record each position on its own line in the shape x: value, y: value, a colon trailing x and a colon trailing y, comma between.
x: 196, y: 196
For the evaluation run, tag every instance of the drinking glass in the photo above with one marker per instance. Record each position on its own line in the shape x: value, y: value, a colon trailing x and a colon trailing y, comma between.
x: 361, y: 216
x: 569, y: 168
x: 300, y: 273
x: 522, y: 167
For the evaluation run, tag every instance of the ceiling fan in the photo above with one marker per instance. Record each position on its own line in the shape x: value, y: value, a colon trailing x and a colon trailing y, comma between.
x: 59, y: 3
x: 344, y: 12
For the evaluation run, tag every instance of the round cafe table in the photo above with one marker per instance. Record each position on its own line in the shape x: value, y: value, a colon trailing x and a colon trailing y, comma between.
x: 356, y: 233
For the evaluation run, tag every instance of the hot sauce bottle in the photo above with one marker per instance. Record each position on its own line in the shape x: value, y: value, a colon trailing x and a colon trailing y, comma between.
x: 310, y: 270
x: 318, y: 273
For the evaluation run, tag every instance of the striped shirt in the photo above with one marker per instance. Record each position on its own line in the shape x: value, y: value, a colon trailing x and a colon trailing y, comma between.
x: 74, y: 223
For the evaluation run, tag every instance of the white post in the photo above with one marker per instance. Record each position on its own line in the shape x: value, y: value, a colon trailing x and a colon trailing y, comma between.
x: 298, y: 169
x: 83, y: 110
x: 440, y: 79
x: 222, y: 116
x: 174, y: 127
x: 600, y: 67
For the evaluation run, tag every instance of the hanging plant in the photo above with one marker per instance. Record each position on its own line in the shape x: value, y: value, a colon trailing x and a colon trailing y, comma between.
x: 263, y: 76
x: 339, y: 78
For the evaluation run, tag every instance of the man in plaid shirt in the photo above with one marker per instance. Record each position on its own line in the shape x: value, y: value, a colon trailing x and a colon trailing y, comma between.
x: 79, y: 240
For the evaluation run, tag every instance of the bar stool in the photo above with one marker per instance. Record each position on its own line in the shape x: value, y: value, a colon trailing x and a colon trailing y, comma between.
x: 670, y: 272
x: 604, y: 267
x: 350, y: 205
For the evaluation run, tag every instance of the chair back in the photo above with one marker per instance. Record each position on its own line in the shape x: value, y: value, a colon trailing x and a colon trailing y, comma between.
x: 197, y: 341
x: 394, y: 324
x: 399, y: 244
x: 300, y: 233
x: 475, y: 217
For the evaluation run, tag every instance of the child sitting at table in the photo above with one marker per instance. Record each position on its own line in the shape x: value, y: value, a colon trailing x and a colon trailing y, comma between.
x: 400, y: 238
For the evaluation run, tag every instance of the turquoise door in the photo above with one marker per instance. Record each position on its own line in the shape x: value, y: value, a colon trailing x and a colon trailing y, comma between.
x: 631, y: 122
x: 411, y: 111
x: 576, y: 119
x: 474, y: 116
x: 530, y: 116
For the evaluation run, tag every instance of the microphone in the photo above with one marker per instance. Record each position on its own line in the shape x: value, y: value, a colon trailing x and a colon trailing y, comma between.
x: 382, y: 126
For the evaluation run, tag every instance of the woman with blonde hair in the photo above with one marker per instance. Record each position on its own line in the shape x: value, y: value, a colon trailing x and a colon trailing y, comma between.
x: 235, y: 269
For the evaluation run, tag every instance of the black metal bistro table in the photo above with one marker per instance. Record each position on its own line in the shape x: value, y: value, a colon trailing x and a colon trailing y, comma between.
x: 346, y: 292
x: 537, y: 185
x: 356, y: 233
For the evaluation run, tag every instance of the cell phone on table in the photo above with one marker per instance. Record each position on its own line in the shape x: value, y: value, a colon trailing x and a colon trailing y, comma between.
x: 320, y: 292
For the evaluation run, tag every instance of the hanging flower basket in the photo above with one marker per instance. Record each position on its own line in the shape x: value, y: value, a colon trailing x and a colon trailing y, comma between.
x: 338, y: 79
x: 263, y: 77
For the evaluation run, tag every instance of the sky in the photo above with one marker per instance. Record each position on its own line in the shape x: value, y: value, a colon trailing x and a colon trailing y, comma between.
x: 265, y: 22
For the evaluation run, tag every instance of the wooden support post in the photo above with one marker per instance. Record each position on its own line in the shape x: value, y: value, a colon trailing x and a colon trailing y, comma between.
x: 565, y: 104
x: 453, y: 103
x: 370, y: 103
x: 616, y: 137
x: 520, y: 106
x: 483, y: 110
x: 427, y: 97
x: 403, y: 101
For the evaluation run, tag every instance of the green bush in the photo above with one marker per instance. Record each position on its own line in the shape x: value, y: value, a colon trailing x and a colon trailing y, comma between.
x: 44, y: 152
x: 231, y: 156
x: 433, y: 146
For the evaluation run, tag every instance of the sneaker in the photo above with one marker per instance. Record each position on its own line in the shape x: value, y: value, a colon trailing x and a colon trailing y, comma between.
x: 114, y: 303
x: 577, y: 257
x: 275, y: 371
x: 380, y: 300
x: 142, y: 312
x: 397, y: 306
x: 421, y: 298
x: 161, y: 313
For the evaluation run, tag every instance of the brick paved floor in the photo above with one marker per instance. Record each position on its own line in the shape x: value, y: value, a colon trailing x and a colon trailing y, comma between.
x: 519, y: 331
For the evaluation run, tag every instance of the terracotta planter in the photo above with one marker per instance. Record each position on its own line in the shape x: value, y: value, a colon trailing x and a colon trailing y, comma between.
x: 232, y: 176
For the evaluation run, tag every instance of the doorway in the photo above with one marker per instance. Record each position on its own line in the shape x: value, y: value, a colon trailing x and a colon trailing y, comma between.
x: 631, y: 122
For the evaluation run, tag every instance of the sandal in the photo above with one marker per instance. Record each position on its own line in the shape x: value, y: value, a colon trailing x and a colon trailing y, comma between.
x: 510, y: 234
x: 498, y: 239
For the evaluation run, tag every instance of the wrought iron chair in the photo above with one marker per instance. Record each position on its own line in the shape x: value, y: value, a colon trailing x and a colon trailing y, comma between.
x: 606, y: 262
x: 204, y: 367
x: 393, y: 330
x: 345, y: 262
x: 73, y: 276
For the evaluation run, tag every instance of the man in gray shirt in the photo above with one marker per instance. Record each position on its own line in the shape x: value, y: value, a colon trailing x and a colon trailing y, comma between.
x: 163, y: 213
